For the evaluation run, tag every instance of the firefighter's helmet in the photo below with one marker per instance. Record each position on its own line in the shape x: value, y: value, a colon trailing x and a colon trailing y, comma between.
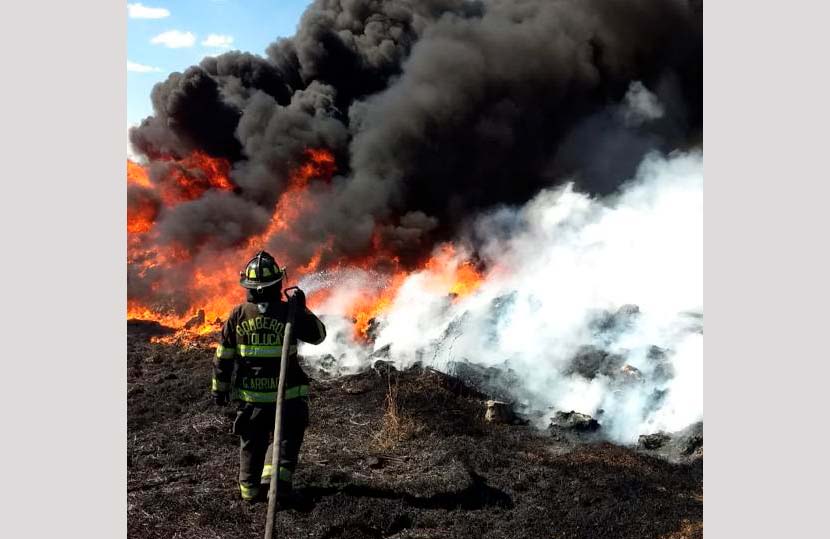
x: 261, y: 271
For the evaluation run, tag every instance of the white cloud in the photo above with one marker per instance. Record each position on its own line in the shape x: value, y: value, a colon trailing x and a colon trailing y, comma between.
x: 218, y: 41
x: 175, y: 39
x: 141, y: 68
x: 140, y: 11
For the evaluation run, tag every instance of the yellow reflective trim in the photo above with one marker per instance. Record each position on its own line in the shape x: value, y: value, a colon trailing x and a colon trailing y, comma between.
x: 285, y: 474
x: 254, y: 350
x: 247, y: 395
x: 266, y: 272
x: 247, y: 492
x: 252, y: 273
x: 266, y: 471
x: 216, y: 385
x: 225, y: 353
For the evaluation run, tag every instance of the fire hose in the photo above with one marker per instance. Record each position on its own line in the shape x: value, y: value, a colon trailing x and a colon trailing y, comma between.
x: 275, y: 454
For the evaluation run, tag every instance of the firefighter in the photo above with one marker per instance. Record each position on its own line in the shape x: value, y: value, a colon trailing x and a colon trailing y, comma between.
x: 252, y: 342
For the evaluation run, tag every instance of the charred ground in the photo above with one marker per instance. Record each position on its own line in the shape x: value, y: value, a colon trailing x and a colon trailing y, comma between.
x: 387, y: 454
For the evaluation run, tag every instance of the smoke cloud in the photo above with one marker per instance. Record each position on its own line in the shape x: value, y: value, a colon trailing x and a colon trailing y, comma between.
x: 553, y: 141
x: 437, y: 109
x: 593, y: 305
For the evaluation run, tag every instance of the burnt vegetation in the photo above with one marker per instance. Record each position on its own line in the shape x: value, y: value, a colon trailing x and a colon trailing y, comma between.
x: 389, y: 454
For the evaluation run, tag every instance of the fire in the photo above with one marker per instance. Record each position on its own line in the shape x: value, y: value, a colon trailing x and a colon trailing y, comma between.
x: 142, y: 208
x: 458, y: 277
x: 446, y: 272
x: 467, y: 281
x: 313, y: 263
x: 186, y: 179
x: 191, y: 177
x: 182, y: 180
x: 368, y: 307
x: 294, y: 202
x: 140, y: 217
x: 210, y: 284
x: 137, y: 175
x: 319, y: 164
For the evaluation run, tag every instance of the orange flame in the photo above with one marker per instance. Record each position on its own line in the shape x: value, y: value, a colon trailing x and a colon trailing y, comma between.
x: 190, y: 177
x: 458, y: 277
x: 445, y: 274
x: 137, y: 175
x: 213, y: 286
x: 140, y: 218
x: 369, y: 306
x: 293, y: 202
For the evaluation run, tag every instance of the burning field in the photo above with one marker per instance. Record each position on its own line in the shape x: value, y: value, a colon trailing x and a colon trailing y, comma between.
x: 426, y: 467
x: 506, y: 194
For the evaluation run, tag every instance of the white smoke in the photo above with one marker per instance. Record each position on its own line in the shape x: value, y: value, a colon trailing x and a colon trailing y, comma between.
x: 560, y: 269
x: 347, y: 354
x: 641, y: 106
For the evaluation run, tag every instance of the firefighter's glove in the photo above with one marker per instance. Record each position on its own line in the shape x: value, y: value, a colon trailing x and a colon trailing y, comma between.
x: 298, y: 296
x: 221, y: 398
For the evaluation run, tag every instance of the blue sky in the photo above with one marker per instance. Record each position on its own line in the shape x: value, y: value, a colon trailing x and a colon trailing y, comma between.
x: 164, y: 36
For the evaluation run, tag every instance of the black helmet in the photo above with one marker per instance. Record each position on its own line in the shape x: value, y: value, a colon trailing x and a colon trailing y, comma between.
x: 261, y: 271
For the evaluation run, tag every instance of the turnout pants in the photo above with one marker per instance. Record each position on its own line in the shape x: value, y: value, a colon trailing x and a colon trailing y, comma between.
x: 255, y: 426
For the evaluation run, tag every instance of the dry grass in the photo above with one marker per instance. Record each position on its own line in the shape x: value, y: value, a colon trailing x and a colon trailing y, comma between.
x: 396, y: 425
x: 183, y: 463
x: 688, y: 530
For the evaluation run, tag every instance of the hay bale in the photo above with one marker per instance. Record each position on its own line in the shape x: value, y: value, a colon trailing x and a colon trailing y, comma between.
x: 574, y: 421
x: 499, y: 412
x: 653, y: 441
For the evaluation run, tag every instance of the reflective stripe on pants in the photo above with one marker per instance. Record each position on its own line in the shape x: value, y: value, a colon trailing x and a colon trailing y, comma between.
x: 255, y: 449
x: 248, y: 492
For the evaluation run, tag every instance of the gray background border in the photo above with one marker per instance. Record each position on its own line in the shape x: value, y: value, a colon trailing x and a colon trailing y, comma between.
x: 63, y: 278
x: 766, y: 269
x: 63, y: 390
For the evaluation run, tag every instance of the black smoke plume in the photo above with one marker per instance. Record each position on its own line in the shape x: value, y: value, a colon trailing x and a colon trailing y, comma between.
x: 433, y: 110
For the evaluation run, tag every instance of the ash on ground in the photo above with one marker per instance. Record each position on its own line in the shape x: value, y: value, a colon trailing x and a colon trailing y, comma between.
x: 433, y: 469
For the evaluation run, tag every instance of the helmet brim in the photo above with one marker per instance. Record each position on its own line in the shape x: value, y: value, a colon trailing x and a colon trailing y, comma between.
x: 258, y: 284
